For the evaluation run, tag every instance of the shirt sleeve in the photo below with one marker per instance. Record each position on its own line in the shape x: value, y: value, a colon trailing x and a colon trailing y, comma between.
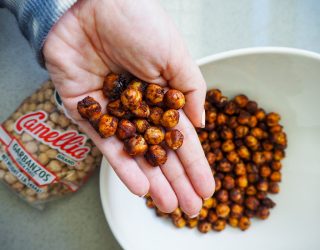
x: 36, y: 18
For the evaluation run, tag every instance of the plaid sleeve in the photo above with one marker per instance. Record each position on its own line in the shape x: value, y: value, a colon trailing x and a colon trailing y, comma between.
x: 36, y: 18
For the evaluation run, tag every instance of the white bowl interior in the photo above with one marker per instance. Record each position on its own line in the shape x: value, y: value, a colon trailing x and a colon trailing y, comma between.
x: 287, y: 82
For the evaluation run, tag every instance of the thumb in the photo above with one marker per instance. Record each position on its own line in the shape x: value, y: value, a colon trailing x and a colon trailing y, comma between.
x: 185, y: 75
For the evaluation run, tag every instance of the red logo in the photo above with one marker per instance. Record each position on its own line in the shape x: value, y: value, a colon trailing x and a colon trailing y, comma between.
x: 70, y: 142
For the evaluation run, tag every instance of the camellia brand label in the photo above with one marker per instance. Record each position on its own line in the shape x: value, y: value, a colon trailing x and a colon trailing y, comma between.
x: 37, y: 172
x: 70, y: 143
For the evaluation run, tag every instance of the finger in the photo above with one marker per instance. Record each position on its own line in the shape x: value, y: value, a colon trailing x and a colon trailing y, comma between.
x: 125, y: 167
x: 185, y: 76
x: 193, y: 159
x: 188, y: 199
x: 160, y: 189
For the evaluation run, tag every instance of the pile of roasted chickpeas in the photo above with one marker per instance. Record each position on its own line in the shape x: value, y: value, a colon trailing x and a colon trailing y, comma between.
x: 244, y: 146
x: 141, y: 115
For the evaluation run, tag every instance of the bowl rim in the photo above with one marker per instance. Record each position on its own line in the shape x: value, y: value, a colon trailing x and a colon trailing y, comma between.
x: 200, y: 62
x: 255, y: 51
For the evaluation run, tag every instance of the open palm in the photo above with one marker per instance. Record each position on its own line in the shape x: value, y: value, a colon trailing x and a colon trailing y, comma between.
x: 96, y: 37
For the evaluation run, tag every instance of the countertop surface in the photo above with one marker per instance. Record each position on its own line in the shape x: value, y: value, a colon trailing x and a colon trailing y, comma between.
x: 208, y: 26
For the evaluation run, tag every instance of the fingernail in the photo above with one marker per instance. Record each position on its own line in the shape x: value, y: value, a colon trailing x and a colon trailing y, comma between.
x: 142, y: 196
x: 203, y: 119
x: 193, y: 216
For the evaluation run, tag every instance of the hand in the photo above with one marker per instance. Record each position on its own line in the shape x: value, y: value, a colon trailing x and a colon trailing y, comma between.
x: 96, y: 37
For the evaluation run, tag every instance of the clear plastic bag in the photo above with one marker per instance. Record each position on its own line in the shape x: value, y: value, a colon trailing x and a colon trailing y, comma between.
x: 43, y: 155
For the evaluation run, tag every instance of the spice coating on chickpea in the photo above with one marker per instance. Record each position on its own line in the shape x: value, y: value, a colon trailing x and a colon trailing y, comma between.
x: 107, y: 126
x: 156, y: 155
x: 115, y: 108
x: 154, y: 135
x: 142, y: 111
x: 155, y: 115
x: 89, y: 108
x: 170, y: 118
x: 154, y: 94
x: 136, y: 145
x: 141, y: 125
x: 174, y: 139
x: 126, y: 129
x: 131, y: 98
x: 204, y: 227
x: 174, y: 99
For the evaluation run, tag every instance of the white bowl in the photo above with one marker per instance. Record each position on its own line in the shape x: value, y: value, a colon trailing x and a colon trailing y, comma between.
x: 282, y: 80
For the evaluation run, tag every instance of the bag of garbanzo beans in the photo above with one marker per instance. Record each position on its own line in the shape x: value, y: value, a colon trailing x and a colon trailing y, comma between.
x: 43, y: 155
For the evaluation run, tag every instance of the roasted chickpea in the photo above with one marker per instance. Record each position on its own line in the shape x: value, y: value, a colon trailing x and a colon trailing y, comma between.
x: 136, y: 146
x: 218, y: 184
x: 222, y: 119
x: 142, y: 111
x: 115, y: 108
x: 252, y: 202
x: 206, y: 147
x: 203, y: 213
x: 211, y: 116
x: 236, y: 210
x: 150, y: 203
x: 251, y: 141
x: 240, y: 169
x: 268, y: 156
x: 174, y: 139
x: 273, y: 119
x: 154, y: 135
x: 176, y: 213
x: 212, y: 216
x: 233, y: 157
x: 244, y: 117
x: 263, y: 212
x: 138, y: 85
x: 203, y: 136
x: 219, y: 225
x: 242, y: 181
x: 278, y: 155
x: 244, y: 152
x: 261, y: 195
x: 241, y: 100
x: 216, y: 144
x: 252, y: 107
x: 267, y: 202
x: 209, y: 203
x: 241, y: 131
x: 274, y: 188
x: 174, y: 99
x: 275, y: 176
x: 228, y: 182
x: 107, y: 126
x: 276, y: 165
x: 249, y: 213
x: 251, y: 190
x: 236, y: 195
x: 204, y: 226
x: 213, y: 136
x: 141, y: 125
x: 170, y: 118
x: 276, y: 129
x: 253, y: 177
x: 226, y: 133
x: 222, y: 103
x: 244, y: 223
x: 232, y: 122
x: 155, y: 115
x: 265, y: 171
x: 214, y: 96
x: 126, y: 129
x: 260, y: 114
x: 218, y: 153
x: 258, y: 158
x: 211, y: 158
x: 263, y: 185
x: 89, y: 109
x: 222, y: 210
x: 233, y: 221
x: 114, y: 84
x: 225, y: 166
x: 279, y: 138
x: 257, y: 133
x: 154, y: 94
x: 179, y: 222
x: 231, y: 108
x: 267, y: 145
x: 131, y: 98
x: 228, y: 146
x: 156, y: 155
x: 192, y: 223
x: 222, y: 195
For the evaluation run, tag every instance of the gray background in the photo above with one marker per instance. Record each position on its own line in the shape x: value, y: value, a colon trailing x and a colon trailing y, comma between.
x: 209, y: 26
